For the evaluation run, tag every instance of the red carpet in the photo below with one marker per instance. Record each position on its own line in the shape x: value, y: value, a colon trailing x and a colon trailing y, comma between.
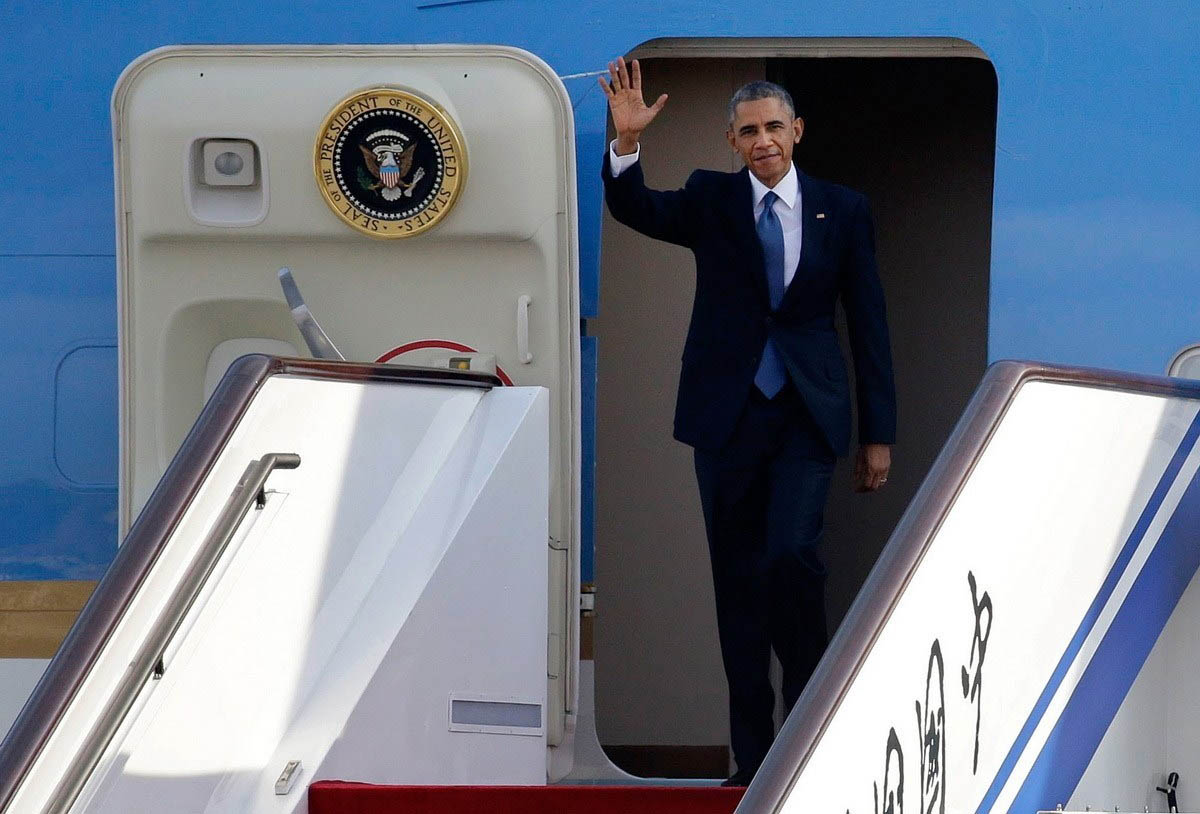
x: 331, y: 797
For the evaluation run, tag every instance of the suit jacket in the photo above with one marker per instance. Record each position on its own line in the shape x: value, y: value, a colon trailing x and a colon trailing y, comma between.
x: 732, y: 316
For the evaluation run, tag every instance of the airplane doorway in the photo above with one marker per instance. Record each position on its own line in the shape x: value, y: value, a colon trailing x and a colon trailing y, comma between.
x: 912, y: 124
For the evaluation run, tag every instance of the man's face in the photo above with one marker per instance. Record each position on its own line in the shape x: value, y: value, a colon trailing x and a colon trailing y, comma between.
x: 763, y: 133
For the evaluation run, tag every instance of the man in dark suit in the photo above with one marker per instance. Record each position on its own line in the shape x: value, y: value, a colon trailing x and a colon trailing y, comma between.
x: 763, y: 394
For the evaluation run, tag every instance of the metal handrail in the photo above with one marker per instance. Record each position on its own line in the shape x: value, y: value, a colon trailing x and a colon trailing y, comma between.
x: 147, y: 663
x: 900, y: 558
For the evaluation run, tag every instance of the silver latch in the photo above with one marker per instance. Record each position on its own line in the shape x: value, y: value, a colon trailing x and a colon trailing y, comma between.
x: 288, y: 777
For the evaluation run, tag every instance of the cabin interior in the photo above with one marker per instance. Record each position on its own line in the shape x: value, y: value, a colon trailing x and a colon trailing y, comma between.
x: 916, y: 132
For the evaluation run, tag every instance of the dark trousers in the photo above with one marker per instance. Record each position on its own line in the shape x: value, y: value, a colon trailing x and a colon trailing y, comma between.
x: 763, y: 496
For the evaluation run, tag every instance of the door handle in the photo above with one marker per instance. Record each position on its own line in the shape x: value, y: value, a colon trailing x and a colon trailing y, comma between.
x: 523, y: 354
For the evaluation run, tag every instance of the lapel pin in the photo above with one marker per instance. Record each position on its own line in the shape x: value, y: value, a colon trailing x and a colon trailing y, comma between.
x: 820, y: 216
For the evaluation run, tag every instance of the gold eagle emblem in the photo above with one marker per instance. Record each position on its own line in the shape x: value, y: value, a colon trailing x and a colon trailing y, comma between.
x: 389, y: 162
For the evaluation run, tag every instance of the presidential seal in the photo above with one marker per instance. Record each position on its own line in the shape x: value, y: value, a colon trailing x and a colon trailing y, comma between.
x: 390, y: 163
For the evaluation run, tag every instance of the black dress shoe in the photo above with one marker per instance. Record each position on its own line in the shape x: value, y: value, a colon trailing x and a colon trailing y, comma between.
x: 740, y: 778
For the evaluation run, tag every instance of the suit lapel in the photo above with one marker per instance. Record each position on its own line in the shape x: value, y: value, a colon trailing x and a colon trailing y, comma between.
x: 812, y: 233
x: 739, y: 207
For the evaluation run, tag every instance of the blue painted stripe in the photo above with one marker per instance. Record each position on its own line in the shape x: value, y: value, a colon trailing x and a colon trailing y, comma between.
x: 1089, y: 619
x: 1126, y: 645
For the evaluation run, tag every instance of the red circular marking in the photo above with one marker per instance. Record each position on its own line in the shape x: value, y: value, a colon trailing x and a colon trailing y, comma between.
x: 444, y: 344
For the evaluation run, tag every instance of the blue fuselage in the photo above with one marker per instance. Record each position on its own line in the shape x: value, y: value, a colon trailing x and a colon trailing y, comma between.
x: 1095, y: 252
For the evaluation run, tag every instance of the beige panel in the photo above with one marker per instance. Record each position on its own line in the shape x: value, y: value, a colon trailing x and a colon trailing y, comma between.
x: 658, y: 667
x: 793, y: 47
x: 35, y: 616
x: 186, y: 285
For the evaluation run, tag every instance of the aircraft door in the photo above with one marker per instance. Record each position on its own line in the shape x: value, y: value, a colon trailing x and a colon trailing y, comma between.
x: 423, y: 197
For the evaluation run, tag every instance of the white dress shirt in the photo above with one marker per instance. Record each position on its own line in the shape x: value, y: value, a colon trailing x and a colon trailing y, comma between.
x: 788, y: 208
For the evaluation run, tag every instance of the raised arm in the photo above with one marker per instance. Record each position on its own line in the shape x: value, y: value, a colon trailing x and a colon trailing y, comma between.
x: 660, y: 215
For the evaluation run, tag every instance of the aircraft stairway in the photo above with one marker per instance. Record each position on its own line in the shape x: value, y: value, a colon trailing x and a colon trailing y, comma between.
x: 342, y: 577
x: 343, y: 573
x: 1026, y: 641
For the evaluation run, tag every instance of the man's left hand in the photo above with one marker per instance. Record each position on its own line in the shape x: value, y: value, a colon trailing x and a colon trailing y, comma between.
x: 871, y: 467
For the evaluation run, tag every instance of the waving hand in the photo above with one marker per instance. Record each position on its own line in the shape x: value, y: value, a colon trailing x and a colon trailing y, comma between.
x: 630, y: 114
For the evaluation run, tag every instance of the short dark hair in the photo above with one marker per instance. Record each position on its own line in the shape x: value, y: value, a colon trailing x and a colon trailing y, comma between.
x: 760, y: 89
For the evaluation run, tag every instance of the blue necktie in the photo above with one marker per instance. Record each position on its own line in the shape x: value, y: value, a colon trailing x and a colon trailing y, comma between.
x: 772, y: 374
